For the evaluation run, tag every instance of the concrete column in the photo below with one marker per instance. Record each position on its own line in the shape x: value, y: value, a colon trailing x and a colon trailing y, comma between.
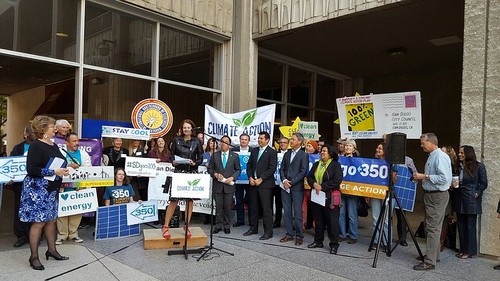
x: 480, y: 122
x: 245, y: 58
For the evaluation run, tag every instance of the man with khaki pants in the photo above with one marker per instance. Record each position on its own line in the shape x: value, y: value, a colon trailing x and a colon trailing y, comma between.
x: 67, y: 227
x: 435, y: 181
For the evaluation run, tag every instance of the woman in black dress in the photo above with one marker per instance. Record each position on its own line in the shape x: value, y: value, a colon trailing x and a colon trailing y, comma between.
x: 39, y: 197
x: 188, y: 147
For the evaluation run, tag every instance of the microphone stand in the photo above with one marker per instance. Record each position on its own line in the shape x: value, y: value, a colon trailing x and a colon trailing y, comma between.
x: 211, y: 247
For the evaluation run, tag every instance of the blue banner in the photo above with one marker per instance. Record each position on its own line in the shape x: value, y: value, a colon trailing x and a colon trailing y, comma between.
x: 366, y: 177
x: 243, y: 178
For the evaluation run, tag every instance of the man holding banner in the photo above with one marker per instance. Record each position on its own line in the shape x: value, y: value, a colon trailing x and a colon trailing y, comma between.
x: 260, y: 170
x: 67, y: 227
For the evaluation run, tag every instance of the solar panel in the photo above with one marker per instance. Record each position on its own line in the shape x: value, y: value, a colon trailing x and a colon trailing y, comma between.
x: 111, y: 222
x: 405, y: 188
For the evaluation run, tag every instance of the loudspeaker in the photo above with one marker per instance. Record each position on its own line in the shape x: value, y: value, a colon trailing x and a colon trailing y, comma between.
x: 396, y: 148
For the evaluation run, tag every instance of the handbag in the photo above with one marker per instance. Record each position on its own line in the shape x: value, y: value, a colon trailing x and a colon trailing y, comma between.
x: 336, y: 199
x: 362, y: 207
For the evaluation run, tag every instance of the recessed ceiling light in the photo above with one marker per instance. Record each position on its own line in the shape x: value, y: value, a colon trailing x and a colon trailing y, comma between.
x: 62, y: 34
x: 445, y: 40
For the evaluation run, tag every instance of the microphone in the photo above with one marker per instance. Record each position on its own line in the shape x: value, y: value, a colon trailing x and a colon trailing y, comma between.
x: 197, y: 129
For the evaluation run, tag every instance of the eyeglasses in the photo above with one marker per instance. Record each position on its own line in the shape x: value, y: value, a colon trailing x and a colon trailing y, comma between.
x: 283, y: 142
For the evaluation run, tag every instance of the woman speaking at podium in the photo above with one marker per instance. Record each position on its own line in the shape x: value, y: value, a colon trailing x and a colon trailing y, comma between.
x: 186, y: 146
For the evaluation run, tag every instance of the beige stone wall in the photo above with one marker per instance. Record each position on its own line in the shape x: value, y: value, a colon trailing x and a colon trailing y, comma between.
x: 480, y: 106
x: 20, y: 110
x: 214, y: 15
x: 271, y: 16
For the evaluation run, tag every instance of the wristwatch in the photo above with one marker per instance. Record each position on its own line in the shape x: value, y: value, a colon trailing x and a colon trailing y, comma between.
x: 427, y: 177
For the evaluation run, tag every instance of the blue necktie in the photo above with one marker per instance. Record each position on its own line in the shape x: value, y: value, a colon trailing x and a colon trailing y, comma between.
x: 224, y: 160
x: 293, y: 155
x: 261, y: 150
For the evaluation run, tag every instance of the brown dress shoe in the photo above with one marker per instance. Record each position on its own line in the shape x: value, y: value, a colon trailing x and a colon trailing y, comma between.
x: 299, y: 241
x: 286, y: 239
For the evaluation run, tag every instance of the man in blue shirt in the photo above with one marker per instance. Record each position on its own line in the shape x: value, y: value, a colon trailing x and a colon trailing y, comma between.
x: 435, y: 180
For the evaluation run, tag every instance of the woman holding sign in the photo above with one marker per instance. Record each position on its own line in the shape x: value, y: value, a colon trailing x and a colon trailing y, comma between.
x: 326, y: 176
x: 188, y: 155
x: 45, y: 166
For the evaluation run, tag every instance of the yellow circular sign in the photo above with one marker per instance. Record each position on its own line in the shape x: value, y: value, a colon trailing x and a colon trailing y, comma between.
x: 153, y: 115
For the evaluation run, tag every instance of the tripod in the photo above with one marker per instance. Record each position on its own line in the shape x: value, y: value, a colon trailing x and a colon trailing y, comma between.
x: 211, y: 247
x: 379, y: 228
x: 185, y: 250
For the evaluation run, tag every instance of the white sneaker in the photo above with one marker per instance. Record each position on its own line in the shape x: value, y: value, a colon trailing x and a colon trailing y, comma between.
x: 77, y: 239
x: 59, y: 241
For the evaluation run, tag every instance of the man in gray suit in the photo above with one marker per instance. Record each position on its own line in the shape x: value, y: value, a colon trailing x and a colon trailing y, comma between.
x: 292, y: 172
x: 224, y: 167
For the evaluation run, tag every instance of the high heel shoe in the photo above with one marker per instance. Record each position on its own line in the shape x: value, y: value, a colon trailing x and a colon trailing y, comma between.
x: 165, y: 232
x: 56, y: 256
x: 36, y: 264
x: 188, y: 232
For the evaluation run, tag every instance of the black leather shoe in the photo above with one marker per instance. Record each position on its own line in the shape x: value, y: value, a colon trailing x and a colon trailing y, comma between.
x: 20, y: 242
x: 236, y: 224
x: 216, y: 230
x: 333, y: 251
x: 265, y: 237
x: 227, y: 231
x: 276, y: 225
x: 315, y: 245
x: 56, y: 256
x: 36, y: 264
x: 403, y: 243
x: 250, y: 232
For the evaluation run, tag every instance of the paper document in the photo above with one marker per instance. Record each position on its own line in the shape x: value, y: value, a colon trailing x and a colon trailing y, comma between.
x: 318, y: 198
x: 283, y: 187
x: 54, y: 164
x: 181, y: 160
x: 223, y: 180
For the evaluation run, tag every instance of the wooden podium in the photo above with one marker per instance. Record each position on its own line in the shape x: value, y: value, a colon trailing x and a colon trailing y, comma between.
x: 153, y: 238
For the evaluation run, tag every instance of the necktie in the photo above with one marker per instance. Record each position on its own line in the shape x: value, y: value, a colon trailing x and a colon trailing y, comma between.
x: 261, y: 150
x: 293, y: 155
x: 224, y: 160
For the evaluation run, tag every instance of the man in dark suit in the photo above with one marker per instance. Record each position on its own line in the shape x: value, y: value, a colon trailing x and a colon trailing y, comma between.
x: 260, y: 170
x: 224, y: 167
x: 292, y: 172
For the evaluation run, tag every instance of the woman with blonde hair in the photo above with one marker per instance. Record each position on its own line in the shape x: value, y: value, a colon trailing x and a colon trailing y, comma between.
x: 40, y: 189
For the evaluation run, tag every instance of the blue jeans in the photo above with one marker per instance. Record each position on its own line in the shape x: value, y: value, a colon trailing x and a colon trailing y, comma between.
x: 293, y: 201
x: 376, y: 205
x: 349, y: 203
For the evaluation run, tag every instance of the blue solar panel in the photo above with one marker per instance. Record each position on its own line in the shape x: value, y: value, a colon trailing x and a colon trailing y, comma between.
x: 405, y: 188
x: 112, y: 223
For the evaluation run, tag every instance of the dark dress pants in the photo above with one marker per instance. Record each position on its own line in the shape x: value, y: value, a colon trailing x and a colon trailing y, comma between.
x: 21, y: 229
x: 223, y: 209
x: 402, y: 229
x: 328, y: 219
x: 264, y: 198
x: 278, y: 203
x: 467, y: 233
x: 240, y: 201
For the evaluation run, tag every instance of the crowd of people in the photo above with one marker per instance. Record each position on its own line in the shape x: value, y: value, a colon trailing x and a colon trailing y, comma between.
x: 453, y: 187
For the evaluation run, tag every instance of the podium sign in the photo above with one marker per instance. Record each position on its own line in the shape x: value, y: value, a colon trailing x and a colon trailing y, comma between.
x: 191, y: 185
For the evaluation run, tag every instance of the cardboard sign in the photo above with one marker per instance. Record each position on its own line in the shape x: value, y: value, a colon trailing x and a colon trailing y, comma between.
x: 309, y: 130
x: 372, y: 116
x: 90, y: 176
x: 139, y: 166
x: 12, y: 169
x: 137, y: 213
x: 77, y: 202
x: 125, y: 133
x: 364, y: 177
x: 191, y: 185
